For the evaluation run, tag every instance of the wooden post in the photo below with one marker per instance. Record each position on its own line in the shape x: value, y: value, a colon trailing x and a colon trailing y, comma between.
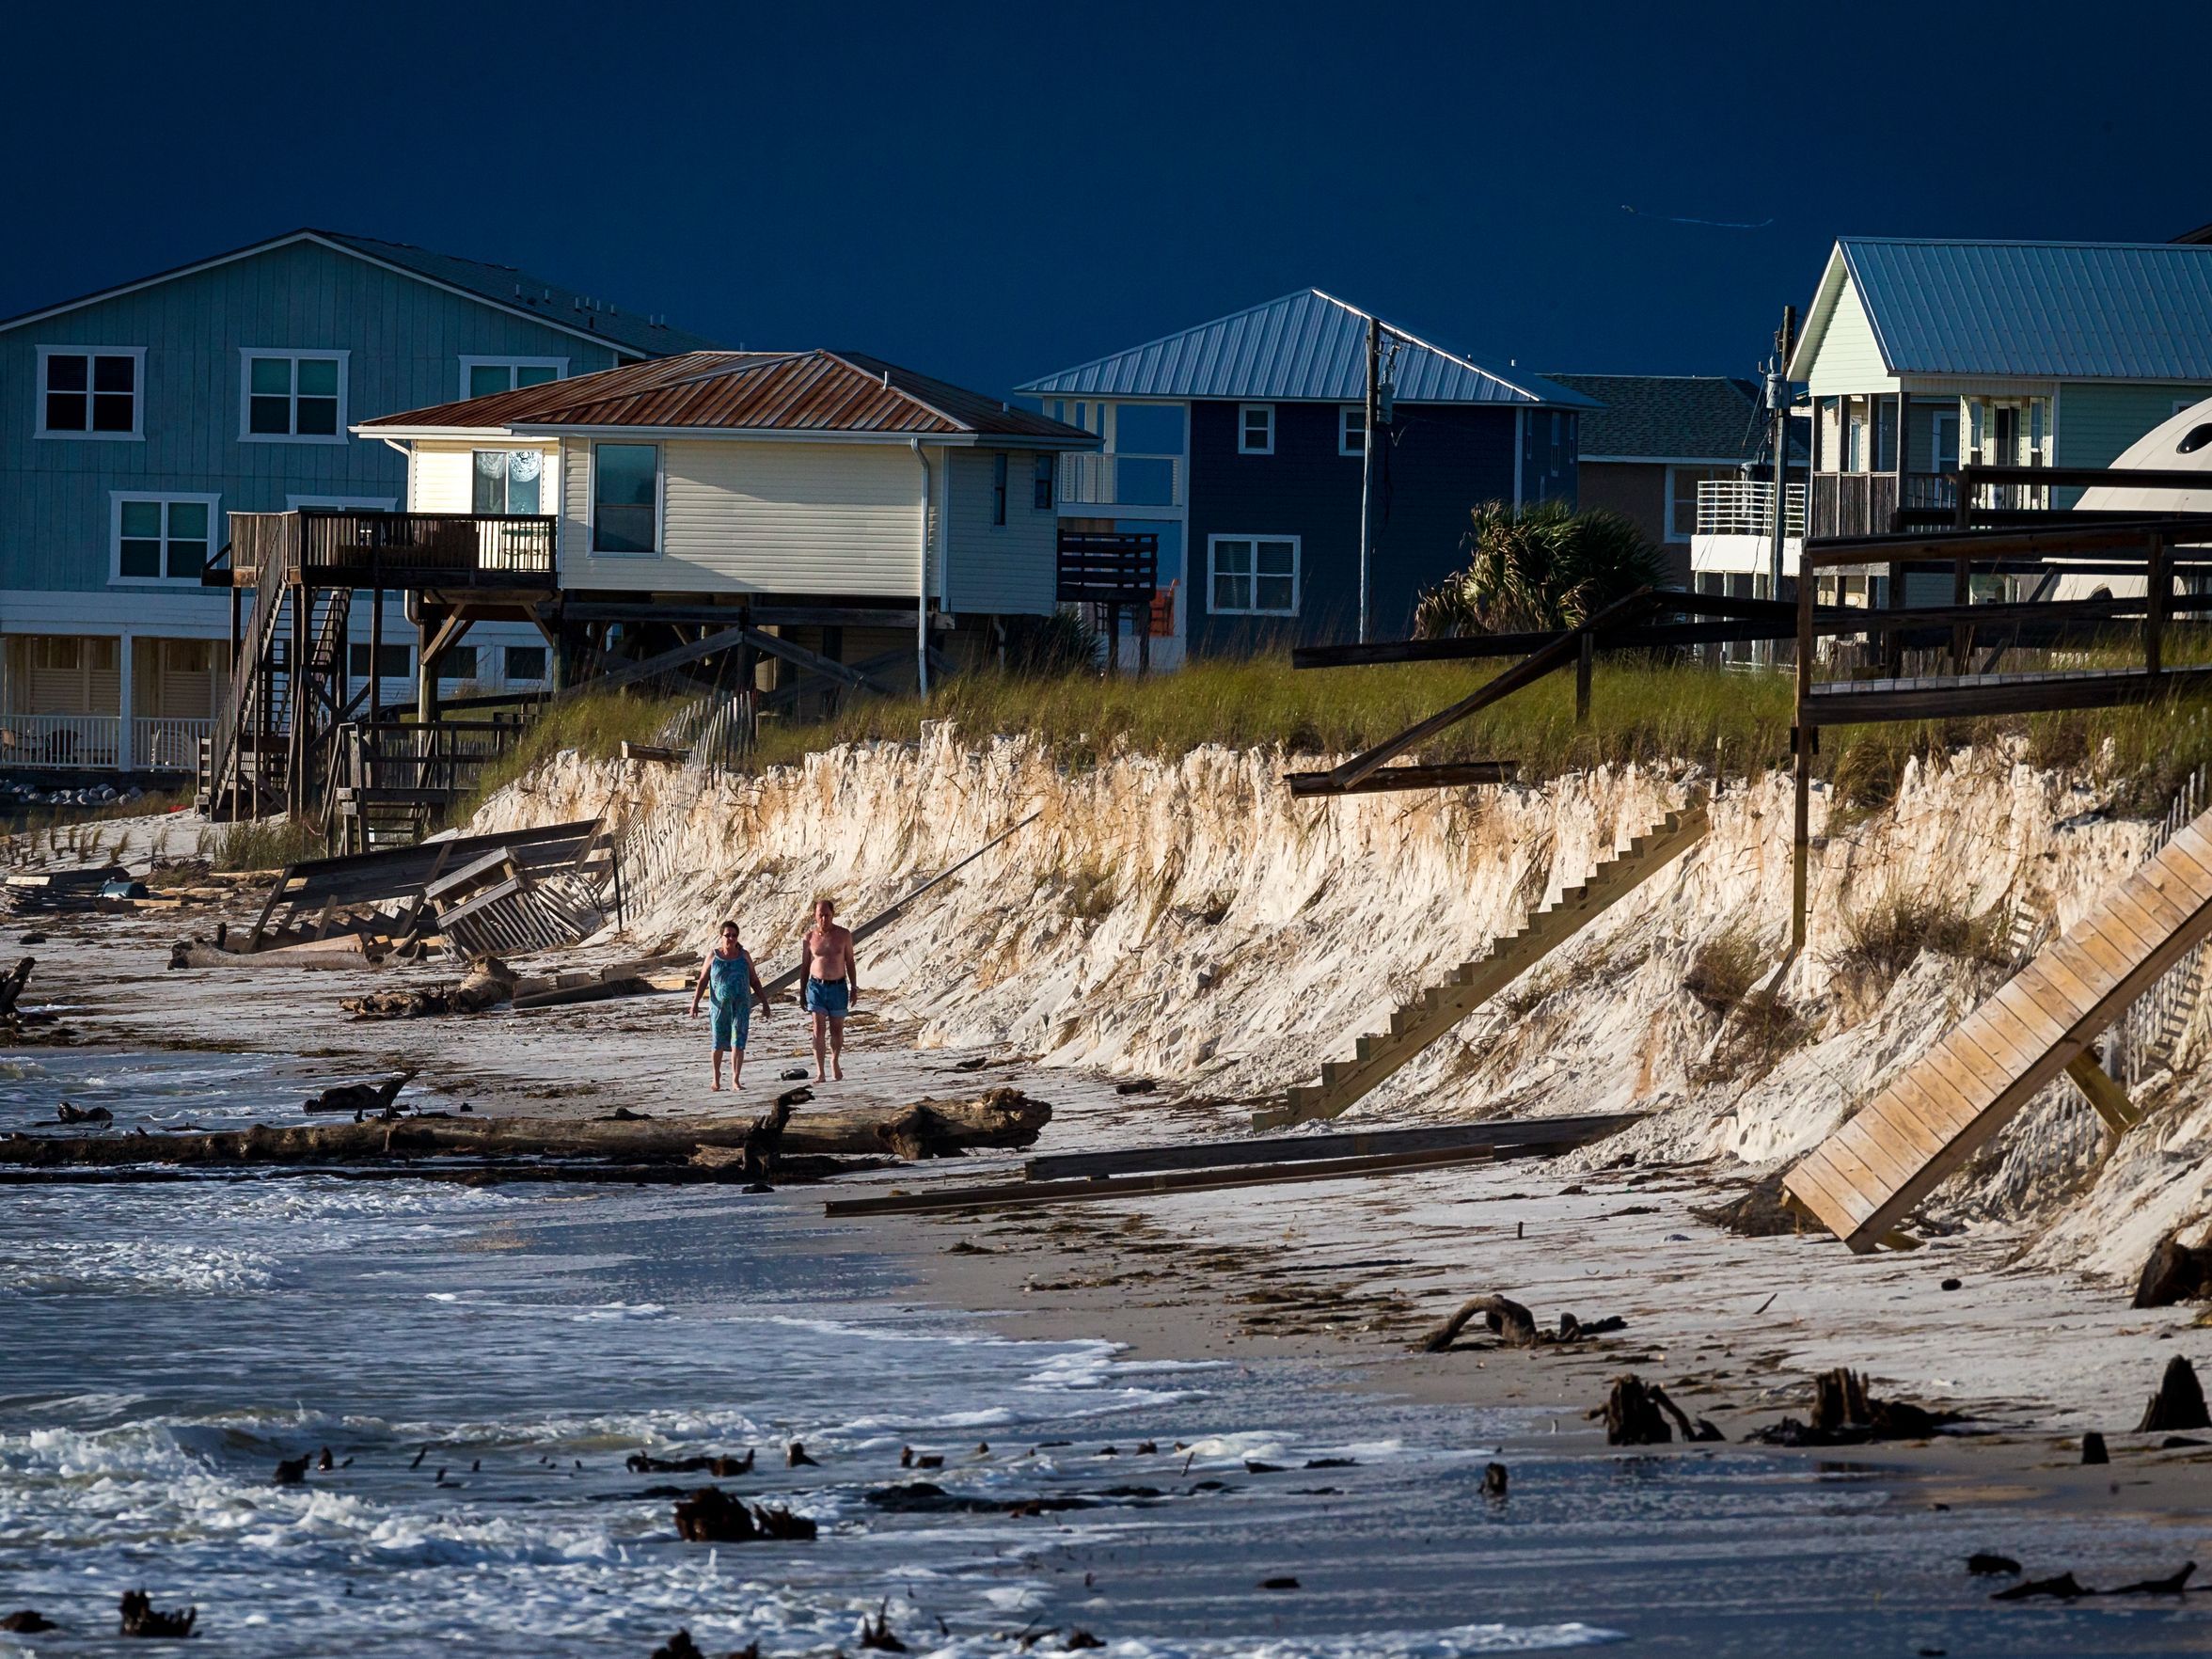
x: 375, y: 653
x: 2161, y: 599
x: 425, y: 670
x: 296, y: 699
x: 1112, y: 638
x: 1962, y: 634
x: 1801, y: 843
x: 1582, y: 679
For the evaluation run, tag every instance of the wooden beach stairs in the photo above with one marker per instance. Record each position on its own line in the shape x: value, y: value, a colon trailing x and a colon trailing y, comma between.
x: 1864, y: 1179
x: 1441, y: 1007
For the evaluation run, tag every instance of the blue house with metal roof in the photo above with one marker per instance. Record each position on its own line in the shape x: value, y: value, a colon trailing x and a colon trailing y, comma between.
x: 135, y: 419
x: 1240, y: 443
x: 1921, y: 355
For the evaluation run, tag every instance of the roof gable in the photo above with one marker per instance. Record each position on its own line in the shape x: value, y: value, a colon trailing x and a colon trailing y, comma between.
x: 1304, y: 346
x: 747, y: 392
x: 2041, y: 311
x: 500, y: 287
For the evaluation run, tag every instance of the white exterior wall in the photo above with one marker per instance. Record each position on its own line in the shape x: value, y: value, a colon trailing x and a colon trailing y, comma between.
x: 1008, y: 568
x: 442, y: 476
x: 760, y: 517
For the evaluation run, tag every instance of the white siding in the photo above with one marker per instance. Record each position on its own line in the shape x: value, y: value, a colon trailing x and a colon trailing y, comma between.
x: 441, y: 482
x: 1005, y: 568
x: 444, y: 474
x: 740, y: 517
x: 1850, y: 358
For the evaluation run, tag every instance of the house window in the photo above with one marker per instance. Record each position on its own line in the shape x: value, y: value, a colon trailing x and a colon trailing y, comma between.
x: 91, y: 394
x: 626, y: 499
x: 1943, y: 441
x: 293, y: 397
x: 1253, y: 576
x: 1351, y: 430
x: 481, y: 377
x: 508, y: 480
x: 1255, y: 429
x: 160, y: 538
x: 1042, y: 484
x: 1682, y: 496
x: 526, y: 662
x: 457, y: 662
x: 394, y: 662
x: 999, y: 488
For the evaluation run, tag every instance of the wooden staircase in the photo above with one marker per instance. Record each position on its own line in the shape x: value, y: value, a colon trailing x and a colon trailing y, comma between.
x: 1441, y: 1007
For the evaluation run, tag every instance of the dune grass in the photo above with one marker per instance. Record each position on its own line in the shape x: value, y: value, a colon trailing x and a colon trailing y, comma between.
x: 1733, y: 723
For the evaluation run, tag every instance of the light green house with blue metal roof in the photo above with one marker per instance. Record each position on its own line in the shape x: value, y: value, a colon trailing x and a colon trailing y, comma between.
x: 134, y: 419
x: 1921, y: 355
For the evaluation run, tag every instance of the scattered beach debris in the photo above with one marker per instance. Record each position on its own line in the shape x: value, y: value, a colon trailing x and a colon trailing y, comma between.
x: 795, y: 1456
x: 27, y: 1621
x: 142, y: 1619
x: 1136, y: 1085
x: 2179, y: 1404
x: 681, y: 1646
x: 877, y: 1635
x: 1495, y: 1481
x: 792, y: 1074
x: 12, y: 983
x: 2062, y: 1587
x: 1283, y: 1582
x: 64, y: 1113
x: 360, y: 1097
x: 1983, y: 1563
x: 722, y: 1466
x: 32, y: 938
x: 488, y: 983
x: 1844, y: 1413
x: 293, y: 1471
x: 1515, y: 1326
x: 711, y: 1515
x: 2093, y: 1448
x: 1079, y: 1639
x: 1635, y: 1413
x: 2174, y: 1273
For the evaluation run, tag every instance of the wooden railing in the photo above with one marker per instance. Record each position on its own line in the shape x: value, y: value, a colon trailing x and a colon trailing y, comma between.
x: 445, y: 757
x: 416, y: 549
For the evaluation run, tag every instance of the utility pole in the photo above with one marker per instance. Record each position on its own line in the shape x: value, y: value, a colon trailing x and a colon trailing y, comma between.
x: 1777, y: 405
x: 1366, y: 543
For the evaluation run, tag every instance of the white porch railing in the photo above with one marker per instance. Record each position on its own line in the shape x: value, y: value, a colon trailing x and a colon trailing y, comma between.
x: 59, y: 742
x: 1745, y: 507
x: 166, y: 743
x: 1089, y: 479
x: 94, y: 743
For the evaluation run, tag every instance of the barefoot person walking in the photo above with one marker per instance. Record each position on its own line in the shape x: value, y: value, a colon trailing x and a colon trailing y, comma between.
x: 833, y: 980
x: 728, y: 973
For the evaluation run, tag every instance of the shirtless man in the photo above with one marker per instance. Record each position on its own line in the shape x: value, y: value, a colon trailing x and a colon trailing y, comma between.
x: 833, y: 980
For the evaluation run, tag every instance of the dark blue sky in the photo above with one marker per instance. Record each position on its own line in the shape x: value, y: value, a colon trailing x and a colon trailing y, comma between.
x: 990, y: 191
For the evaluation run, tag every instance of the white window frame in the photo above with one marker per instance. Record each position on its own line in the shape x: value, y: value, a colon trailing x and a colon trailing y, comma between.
x: 559, y: 365
x: 294, y: 354
x: 138, y: 432
x: 1937, y: 421
x: 116, y: 499
x: 1346, y: 415
x: 659, y: 500
x: 1245, y: 444
x: 1297, y: 573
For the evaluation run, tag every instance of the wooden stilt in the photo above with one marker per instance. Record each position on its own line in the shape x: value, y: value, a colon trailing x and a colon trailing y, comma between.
x: 1805, y: 736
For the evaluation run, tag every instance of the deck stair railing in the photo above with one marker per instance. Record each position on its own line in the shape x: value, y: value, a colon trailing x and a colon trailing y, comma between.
x: 2151, y: 1029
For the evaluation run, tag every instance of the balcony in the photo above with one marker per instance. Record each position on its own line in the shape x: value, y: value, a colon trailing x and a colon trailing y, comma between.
x: 99, y: 743
x: 334, y: 547
x: 1745, y: 507
x: 1090, y: 478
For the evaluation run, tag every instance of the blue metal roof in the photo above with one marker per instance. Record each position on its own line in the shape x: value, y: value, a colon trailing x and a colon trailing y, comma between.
x: 2059, y: 310
x: 1306, y: 345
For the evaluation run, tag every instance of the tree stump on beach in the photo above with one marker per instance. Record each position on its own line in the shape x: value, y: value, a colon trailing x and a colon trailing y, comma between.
x: 2174, y: 1273
x: 141, y: 1618
x: 2179, y: 1404
x: 1633, y: 1416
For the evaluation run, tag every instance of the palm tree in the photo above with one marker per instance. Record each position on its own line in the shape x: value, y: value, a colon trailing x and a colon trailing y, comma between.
x: 1537, y: 568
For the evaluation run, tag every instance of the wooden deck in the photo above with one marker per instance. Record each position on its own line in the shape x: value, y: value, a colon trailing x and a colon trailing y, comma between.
x: 1868, y: 1175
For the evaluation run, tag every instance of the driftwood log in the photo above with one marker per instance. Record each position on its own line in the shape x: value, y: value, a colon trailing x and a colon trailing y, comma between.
x: 2174, y: 1273
x: 371, y: 1098
x: 1503, y: 1316
x: 12, y: 983
x: 489, y: 982
x: 1002, y: 1119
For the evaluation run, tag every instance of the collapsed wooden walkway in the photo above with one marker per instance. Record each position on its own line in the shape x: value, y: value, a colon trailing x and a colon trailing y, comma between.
x: 1867, y: 1177
x: 1433, y: 1015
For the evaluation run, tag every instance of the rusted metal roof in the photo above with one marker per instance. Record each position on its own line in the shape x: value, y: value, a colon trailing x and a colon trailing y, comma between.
x: 841, y: 392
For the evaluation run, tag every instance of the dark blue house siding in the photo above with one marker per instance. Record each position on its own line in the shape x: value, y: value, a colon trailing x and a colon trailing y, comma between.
x: 1442, y: 461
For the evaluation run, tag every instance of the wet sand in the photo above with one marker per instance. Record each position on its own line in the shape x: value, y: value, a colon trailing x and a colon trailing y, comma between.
x: 1351, y: 1272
